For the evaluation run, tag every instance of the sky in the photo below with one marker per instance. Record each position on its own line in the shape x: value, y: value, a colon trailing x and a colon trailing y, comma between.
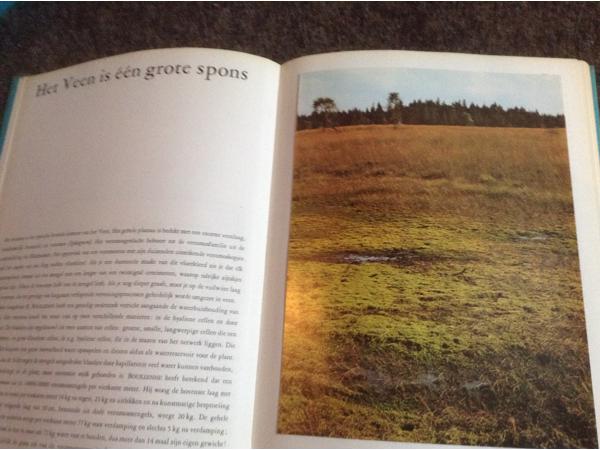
x: 361, y: 88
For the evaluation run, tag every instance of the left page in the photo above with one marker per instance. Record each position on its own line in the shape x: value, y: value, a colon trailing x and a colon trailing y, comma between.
x: 134, y: 200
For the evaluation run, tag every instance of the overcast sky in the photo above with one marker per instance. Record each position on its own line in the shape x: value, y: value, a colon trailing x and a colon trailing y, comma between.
x: 362, y: 88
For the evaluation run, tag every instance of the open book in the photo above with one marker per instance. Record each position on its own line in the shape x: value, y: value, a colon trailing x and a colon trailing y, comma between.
x: 203, y: 248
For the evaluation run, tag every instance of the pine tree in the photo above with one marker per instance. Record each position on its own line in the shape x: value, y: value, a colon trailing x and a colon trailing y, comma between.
x: 394, y: 108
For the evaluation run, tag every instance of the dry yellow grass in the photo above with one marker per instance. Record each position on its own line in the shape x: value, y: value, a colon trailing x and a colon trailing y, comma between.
x: 435, y: 169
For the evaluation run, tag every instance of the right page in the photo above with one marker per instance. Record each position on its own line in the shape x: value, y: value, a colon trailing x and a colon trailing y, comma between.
x: 440, y: 265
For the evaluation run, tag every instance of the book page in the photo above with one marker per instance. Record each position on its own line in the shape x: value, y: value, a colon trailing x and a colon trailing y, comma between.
x: 133, y: 222
x: 439, y: 267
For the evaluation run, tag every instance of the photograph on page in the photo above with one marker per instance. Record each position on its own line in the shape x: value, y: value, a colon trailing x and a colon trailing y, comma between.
x: 433, y: 287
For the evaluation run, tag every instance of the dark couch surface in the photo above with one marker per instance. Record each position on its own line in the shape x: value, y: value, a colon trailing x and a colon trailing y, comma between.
x: 38, y: 37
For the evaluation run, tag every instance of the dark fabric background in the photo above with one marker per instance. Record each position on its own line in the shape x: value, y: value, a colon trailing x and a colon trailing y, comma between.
x: 38, y: 37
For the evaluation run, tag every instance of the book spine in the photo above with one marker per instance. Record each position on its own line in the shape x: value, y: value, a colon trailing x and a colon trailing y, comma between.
x: 595, y: 100
x: 10, y: 101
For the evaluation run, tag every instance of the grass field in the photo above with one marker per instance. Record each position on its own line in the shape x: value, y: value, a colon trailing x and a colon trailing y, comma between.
x: 434, y: 290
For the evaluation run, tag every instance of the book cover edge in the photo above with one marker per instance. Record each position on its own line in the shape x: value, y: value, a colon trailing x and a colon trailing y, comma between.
x: 595, y: 102
x: 8, y: 109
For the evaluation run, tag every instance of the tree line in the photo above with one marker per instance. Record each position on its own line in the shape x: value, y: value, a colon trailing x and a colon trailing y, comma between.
x: 325, y: 114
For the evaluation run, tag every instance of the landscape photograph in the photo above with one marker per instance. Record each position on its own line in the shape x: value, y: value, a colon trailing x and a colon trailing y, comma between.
x: 433, y: 286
